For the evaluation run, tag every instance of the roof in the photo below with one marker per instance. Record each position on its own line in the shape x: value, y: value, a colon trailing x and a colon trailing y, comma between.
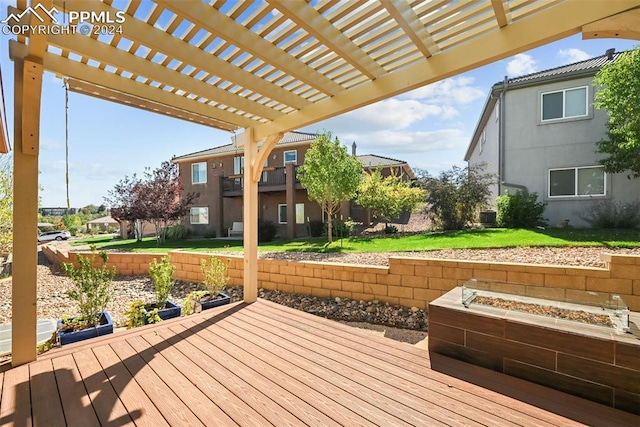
x: 102, y: 220
x: 371, y: 161
x: 588, y: 67
x: 289, y: 138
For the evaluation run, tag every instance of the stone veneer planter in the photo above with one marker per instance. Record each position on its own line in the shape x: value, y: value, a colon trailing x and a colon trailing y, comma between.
x: 589, y: 361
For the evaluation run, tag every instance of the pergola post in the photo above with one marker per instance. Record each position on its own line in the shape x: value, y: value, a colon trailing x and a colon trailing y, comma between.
x: 250, y: 216
x: 27, y: 94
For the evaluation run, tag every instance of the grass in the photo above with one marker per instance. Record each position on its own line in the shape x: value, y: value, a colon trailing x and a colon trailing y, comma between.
x: 487, y: 238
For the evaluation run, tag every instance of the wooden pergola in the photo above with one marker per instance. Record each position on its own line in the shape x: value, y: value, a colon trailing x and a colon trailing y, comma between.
x: 264, y: 67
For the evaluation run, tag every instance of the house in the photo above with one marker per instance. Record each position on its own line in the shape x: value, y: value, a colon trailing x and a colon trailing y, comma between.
x: 102, y: 224
x: 538, y: 133
x: 216, y: 174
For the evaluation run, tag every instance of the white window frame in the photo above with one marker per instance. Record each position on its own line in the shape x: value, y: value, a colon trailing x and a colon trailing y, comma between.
x: 576, y: 183
x: 284, y: 157
x: 202, y: 164
x: 564, y: 104
x: 238, y: 165
x: 299, y: 213
x: 191, y: 214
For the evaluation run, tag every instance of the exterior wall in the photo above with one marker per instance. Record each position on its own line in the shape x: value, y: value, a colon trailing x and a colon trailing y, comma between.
x: 406, y: 281
x: 487, y: 153
x: 268, y: 206
x: 532, y: 148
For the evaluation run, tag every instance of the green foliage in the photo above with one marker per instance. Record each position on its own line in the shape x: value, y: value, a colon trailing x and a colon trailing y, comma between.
x: 456, y: 195
x: 619, y: 95
x: 388, y: 197
x: 390, y: 229
x: 608, y: 214
x: 178, y: 232
x: 520, y: 210
x: 341, y: 228
x: 92, y: 285
x: 160, y: 273
x: 71, y: 221
x: 138, y: 315
x: 215, y: 274
x: 192, y: 300
x: 330, y: 175
x: 6, y: 207
x: 266, y: 231
x: 316, y: 228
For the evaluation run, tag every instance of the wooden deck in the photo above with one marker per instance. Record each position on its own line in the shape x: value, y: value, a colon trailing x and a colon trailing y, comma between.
x: 264, y: 364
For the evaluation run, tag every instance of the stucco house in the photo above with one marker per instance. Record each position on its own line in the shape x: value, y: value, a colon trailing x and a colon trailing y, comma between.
x: 216, y: 174
x: 539, y: 132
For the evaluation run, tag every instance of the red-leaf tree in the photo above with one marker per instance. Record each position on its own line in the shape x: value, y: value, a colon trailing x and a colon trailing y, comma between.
x: 157, y: 198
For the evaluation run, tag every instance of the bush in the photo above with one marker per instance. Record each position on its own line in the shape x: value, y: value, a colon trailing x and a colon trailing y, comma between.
x: 177, y: 232
x: 91, y: 285
x: 316, y: 228
x: 138, y: 315
x: 390, y: 229
x: 266, y: 231
x: 339, y: 228
x: 160, y: 273
x: 210, y: 234
x: 456, y: 195
x: 215, y: 275
x: 607, y: 214
x: 520, y: 210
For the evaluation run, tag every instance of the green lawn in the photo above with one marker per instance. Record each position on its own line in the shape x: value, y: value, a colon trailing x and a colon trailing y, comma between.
x: 487, y: 238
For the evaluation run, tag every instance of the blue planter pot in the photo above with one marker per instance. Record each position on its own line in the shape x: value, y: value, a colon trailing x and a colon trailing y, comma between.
x: 222, y: 299
x: 104, y: 328
x: 170, y: 311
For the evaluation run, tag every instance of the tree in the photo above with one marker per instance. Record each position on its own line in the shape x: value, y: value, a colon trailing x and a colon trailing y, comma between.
x: 163, y: 200
x: 454, y: 197
x: 389, y: 196
x: 330, y: 175
x: 6, y: 206
x: 619, y: 95
x: 126, y: 202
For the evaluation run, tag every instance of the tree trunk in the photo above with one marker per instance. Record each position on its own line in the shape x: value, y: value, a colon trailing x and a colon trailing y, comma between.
x: 329, y: 226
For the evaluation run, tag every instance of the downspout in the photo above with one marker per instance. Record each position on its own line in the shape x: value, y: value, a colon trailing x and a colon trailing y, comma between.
x: 501, y: 132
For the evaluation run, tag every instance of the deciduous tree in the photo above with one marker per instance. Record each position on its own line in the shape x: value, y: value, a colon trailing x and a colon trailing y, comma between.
x: 330, y: 175
x: 619, y: 95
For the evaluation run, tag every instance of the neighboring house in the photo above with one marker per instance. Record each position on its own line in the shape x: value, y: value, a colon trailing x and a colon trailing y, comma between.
x: 102, y: 224
x: 539, y: 132
x: 216, y: 174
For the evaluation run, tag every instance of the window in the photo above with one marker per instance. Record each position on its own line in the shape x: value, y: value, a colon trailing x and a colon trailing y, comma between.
x: 582, y: 181
x: 282, y: 213
x: 199, y: 173
x: 199, y: 215
x: 290, y: 156
x: 238, y: 165
x: 564, y: 104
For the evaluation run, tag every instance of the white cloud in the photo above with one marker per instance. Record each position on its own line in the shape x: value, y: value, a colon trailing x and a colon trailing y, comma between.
x: 452, y: 91
x: 405, y: 145
x: 572, y: 55
x: 521, y: 64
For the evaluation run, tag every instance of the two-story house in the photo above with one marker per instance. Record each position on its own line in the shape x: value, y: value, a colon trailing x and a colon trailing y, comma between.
x: 539, y: 132
x: 217, y: 174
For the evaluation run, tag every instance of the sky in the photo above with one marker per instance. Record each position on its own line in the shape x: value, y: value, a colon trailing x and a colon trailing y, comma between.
x: 429, y: 127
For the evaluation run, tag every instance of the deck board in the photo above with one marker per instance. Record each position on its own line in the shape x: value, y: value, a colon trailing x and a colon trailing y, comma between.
x: 268, y: 365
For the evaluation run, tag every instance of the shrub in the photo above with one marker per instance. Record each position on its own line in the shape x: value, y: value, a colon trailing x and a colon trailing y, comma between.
x: 607, y: 214
x: 178, y: 232
x: 316, y: 228
x: 91, y: 285
x: 191, y: 301
x: 160, y: 273
x: 266, y: 231
x: 390, y: 229
x: 215, y: 275
x: 520, y: 210
x: 138, y: 315
x: 340, y: 228
x: 455, y: 196
x: 210, y: 234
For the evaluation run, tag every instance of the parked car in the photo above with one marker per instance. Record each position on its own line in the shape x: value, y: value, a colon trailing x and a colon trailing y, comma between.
x: 53, y: 235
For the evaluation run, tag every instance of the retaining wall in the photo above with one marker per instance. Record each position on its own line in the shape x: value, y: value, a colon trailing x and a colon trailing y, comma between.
x: 407, y: 281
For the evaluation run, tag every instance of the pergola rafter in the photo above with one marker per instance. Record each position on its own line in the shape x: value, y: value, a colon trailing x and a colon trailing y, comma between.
x: 268, y: 68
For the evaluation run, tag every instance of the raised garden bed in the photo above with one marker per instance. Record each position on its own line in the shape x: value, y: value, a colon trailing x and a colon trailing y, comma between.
x: 596, y: 362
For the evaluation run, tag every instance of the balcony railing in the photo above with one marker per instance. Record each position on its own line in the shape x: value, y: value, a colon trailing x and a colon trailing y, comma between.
x: 271, y: 177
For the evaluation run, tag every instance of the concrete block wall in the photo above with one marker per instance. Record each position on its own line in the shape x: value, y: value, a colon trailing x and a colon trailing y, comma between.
x: 406, y: 281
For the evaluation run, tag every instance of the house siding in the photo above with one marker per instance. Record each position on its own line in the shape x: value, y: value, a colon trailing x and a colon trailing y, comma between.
x: 487, y: 154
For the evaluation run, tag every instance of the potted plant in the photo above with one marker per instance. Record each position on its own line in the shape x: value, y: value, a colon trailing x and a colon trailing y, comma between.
x: 162, y: 309
x: 215, y: 280
x: 91, y: 290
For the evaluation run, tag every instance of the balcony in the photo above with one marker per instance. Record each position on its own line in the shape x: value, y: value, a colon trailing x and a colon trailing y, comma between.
x: 273, y: 179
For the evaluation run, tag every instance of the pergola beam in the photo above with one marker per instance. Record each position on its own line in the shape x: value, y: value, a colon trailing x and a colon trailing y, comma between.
x: 319, y: 27
x: 625, y: 25
x: 159, y: 40
x: 406, y: 17
x: 499, y: 12
x: 551, y: 24
x: 218, y: 23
